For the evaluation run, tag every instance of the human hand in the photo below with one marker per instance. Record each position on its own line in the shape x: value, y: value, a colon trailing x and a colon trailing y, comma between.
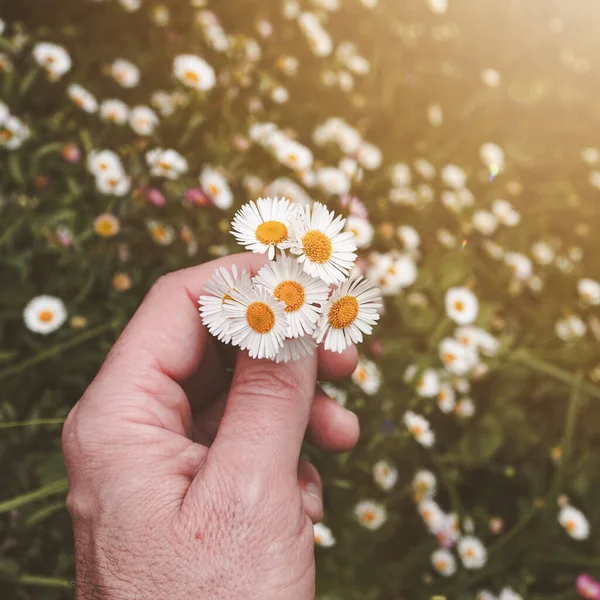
x: 156, y: 514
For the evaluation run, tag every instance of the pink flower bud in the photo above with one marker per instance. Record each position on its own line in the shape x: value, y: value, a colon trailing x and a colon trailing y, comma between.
x: 71, y: 153
x: 197, y: 196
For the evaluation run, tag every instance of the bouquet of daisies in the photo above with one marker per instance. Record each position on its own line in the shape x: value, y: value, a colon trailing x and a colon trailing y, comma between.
x: 305, y: 295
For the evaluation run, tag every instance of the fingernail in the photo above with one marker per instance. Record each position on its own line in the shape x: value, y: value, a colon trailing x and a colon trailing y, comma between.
x: 313, y: 490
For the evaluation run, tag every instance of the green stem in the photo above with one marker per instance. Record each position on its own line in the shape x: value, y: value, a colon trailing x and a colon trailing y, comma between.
x: 34, y: 360
x: 32, y: 422
x: 450, y: 487
x: 39, y: 581
x: 523, y: 358
x: 56, y: 487
x: 570, y: 421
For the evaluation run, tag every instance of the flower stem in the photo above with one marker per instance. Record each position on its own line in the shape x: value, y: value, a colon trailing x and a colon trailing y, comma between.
x: 524, y: 358
x: 34, y: 360
x: 56, y: 487
x: 32, y: 422
x: 39, y: 581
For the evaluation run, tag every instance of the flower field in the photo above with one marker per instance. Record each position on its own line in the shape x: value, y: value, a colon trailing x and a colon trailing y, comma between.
x: 460, y: 143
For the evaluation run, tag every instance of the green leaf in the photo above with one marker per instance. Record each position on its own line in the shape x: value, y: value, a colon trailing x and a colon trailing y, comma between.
x: 14, y: 168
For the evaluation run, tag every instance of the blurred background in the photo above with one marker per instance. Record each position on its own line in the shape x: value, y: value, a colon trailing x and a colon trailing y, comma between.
x: 459, y: 138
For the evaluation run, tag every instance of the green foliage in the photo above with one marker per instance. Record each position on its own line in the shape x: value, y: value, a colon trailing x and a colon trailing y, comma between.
x: 538, y: 392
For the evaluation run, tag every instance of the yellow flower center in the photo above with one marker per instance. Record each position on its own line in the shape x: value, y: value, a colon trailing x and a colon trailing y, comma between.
x: 213, y: 189
x: 449, y: 358
x: 191, y: 76
x: 260, y: 317
x: 362, y: 375
x: 368, y: 516
x: 441, y: 565
x: 343, y: 312
x: 570, y: 526
x: 45, y: 316
x: 6, y: 135
x: 292, y: 293
x: 271, y: 232
x: 159, y: 232
x: 317, y: 246
x: 105, y: 228
x: 459, y: 305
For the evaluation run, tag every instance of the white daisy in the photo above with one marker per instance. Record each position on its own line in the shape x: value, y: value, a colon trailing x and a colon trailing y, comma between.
x: 457, y: 358
x: 143, y: 120
x: 114, y: 184
x: 385, y: 475
x: 472, y: 552
x: 465, y: 408
x: 446, y: 398
x: 323, y: 536
x: 115, y: 111
x: 361, y: 229
x: 370, y: 514
x: 104, y: 162
x: 53, y: 58
x: 424, y: 485
x: 13, y: 132
x: 351, y: 311
x: 257, y: 321
x: 323, y: 249
x: 589, y: 290
x: 194, y: 72
x: 295, y: 349
x: 443, y: 562
x: 574, y: 522
x: 509, y: 594
x: 302, y: 294
x: 367, y: 376
x: 216, y: 187
x: 431, y: 513
x: 166, y: 163
x: 461, y: 305
x: 264, y: 225
x: 212, y: 306
x: 294, y: 155
x: 338, y: 394
x: 44, y: 314
x: 420, y: 428
x: 125, y: 73
x: 82, y: 98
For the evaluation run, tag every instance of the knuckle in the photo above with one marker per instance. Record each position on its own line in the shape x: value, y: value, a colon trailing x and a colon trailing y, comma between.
x: 268, y: 380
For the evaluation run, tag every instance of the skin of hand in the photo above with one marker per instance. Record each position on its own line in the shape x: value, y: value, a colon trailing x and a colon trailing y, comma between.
x: 186, y: 485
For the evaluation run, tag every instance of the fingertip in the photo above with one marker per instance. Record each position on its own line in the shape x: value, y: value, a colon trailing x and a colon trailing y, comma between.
x: 332, y: 427
x: 335, y: 365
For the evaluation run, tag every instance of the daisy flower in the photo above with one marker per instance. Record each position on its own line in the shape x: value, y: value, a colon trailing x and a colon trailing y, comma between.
x: 420, y: 428
x: 216, y: 187
x: 295, y: 349
x: 465, y: 408
x: 162, y: 234
x: 115, y: 111
x: 570, y: 328
x: 323, y: 536
x: 361, y: 229
x: 350, y: 312
x: 367, y: 376
x: 106, y: 225
x: 424, y: 485
x: 461, y: 305
x: 166, y: 163
x: 509, y: 594
x: 446, y: 398
x: 104, y: 162
x: 82, y: 98
x: 53, y: 58
x: 302, y: 294
x: 338, y: 394
x: 431, y: 513
x: 257, y: 321
x: 44, y: 314
x: 443, y: 562
x: 385, y: 475
x: 115, y: 184
x: 457, y: 358
x: 264, y: 226
x: 370, y: 514
x: 589, y: 290
x: 212, y: 305
x: 143, y: 120
x: 13, y: 132
x: 125, y: 73
x: 194, y: 72
x: 574, y: 522
x: 472, y: 552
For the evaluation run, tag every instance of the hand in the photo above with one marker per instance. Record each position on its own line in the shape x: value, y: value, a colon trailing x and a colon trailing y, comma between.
x: 158, y: 515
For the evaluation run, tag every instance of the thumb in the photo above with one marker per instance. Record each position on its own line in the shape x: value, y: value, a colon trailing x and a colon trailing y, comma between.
x: 267, y: 413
